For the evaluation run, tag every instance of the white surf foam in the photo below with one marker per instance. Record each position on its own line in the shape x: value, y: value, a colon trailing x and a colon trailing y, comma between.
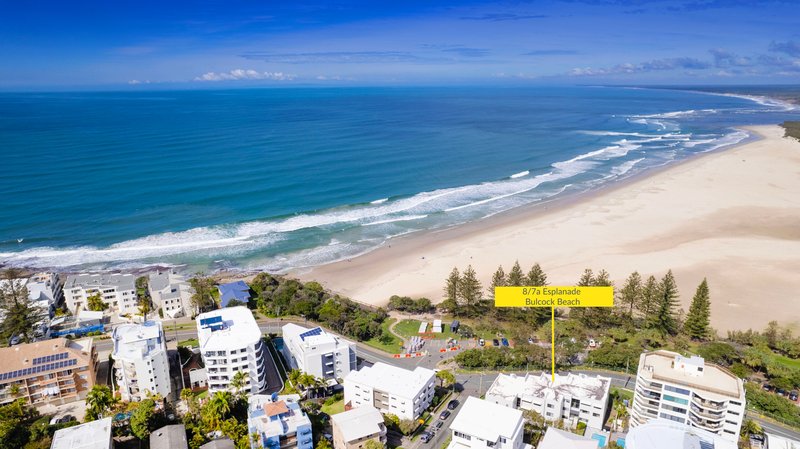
x: 380, y: 201
x: 520, y: 174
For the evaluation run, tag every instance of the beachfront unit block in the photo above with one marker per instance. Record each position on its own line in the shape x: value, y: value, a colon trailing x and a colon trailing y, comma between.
x: 353, y: 428
x: 315, y: 351
x: 481, y: 424
x: 572, y: 397
x: 230, y: 341
x: 666, y: 434
x: 278, y: 422
x: 54, y: 371
x: 141, y: 366
x: 390, y: 389
x: 561, y: 439
x: 91, y: 435
x: 117, y: 290
x: 171, y: 293
x: 688, y: 391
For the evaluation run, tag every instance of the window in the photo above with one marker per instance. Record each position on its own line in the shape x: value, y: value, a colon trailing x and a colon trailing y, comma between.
x: 677, y: 390
x: 462, y: 435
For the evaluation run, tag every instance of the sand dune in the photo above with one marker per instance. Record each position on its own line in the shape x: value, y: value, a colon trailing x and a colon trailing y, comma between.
x: 732, y: 216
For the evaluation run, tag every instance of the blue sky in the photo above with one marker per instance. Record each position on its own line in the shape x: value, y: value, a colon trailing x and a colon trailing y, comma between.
x: 146, y: 44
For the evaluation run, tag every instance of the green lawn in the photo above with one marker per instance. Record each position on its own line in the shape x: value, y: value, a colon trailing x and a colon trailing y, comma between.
x: 336, y: 407
x: 392, y: 344
x: 190, y: 342
x: 786, y: 361
x: 410, y: 328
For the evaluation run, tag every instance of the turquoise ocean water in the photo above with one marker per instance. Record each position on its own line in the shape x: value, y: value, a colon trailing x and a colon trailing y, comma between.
x: 285, y: 178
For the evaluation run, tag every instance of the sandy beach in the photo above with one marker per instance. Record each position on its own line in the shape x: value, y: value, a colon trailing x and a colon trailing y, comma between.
x: 732, y: 216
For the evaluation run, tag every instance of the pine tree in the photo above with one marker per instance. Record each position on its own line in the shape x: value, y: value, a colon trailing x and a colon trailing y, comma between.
x: 698, y: 319
x: 21, y: 316
x: 587, y: 278
x: 516, y: 278
x: 664, y: 319
x: 648, y: 303
x: 469, y: 289
x: 631, y: 293
x: 603, y: 279
x: 536, y: 277
x: 498, y: 280
x: 451, y: 291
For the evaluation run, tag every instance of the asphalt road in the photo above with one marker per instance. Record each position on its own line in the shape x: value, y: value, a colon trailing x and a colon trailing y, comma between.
x: 473, y: 384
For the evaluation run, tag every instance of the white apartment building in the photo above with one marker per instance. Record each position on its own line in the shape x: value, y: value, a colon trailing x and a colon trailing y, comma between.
x: 482, y: 424
x: 390, y: 389
x: 171, y: 293
x: 665, y: 434
x: 230, y: 341
x: 117, y: 290
x: 688, y: 391
x: 561, y: 439
x: 317, y: 352
x: 573, y: 397
x: 140, y: 361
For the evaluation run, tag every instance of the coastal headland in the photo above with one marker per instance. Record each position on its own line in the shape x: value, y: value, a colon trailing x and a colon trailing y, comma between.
x: 732, y: 216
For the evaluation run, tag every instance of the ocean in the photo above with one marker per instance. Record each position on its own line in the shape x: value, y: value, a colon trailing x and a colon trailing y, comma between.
x: 277, y: 179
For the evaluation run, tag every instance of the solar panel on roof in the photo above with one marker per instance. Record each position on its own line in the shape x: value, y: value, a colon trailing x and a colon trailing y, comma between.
x: 50, y: 358
x: 38, y: 369
x: 311, y: 333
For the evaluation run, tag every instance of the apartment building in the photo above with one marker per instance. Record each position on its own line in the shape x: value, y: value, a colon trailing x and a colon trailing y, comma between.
x: 141, y: 366
x: 400, y: 392
x: 353, y: 428
x: 561, y: 439
x: 117, y: 290
x: 91, y: 435
x: 688, y: 391
x: 46, y: 291
x: 481, y: 424
x: 230, y: 341
x: 315, y: 351
x: 171, y: 293
x: 279, y: 422
x: 572, y: 397
x: 665, y: 434
x: 54, y: 371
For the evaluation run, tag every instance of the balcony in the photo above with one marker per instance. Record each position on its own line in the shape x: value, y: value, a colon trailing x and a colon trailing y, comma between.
x: 706, y: 414
x: 709, y: 405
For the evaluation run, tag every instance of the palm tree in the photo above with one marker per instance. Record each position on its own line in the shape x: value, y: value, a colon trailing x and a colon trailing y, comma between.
x: 750, y: 427
x: 98, y: 402
x: 217, y: 409
x: 238, y: 383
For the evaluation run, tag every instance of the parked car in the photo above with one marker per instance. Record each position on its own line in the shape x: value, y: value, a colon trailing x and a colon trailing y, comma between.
x: 780, y: 392
x: 481, y: 342
x: 793, y: 395
x: 592, y: 343
x: 425, y: 436
x: 438, y: 425
x: 767, y: 387
x: 444, y: 415
x: 495, y: 342
x: 504, y: 341
x: 452, y: 404
x: 531, y: 340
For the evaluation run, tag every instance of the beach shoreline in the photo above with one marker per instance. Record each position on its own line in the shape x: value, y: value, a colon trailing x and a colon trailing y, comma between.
x: 603, y: 229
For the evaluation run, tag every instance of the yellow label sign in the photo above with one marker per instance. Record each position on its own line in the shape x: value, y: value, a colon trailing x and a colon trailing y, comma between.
x: 553, y: 296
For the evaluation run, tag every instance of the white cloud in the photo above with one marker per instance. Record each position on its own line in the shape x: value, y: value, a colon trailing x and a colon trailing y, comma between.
x: 242, y: 74
x: 135, y: 82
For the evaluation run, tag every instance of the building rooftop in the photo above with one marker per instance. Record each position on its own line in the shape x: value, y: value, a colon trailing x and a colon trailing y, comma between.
x: 778, y: 442
x: 560, y: 439
x: 232, y: 327
x: 42, y: 357
x: 120, y: 281
x: 400, y: 381
x: 238, y: 291
x: 264, y: 419
x: 486, y: 420
x: 358, y: 422
x: 222, y: 443
x: 169, y: 437
x: 578, y: 386
x: 660, y: 365
x: 135, y: 341
x: 90, y: 435
x: 306, y: 337
x: 664, y: 434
